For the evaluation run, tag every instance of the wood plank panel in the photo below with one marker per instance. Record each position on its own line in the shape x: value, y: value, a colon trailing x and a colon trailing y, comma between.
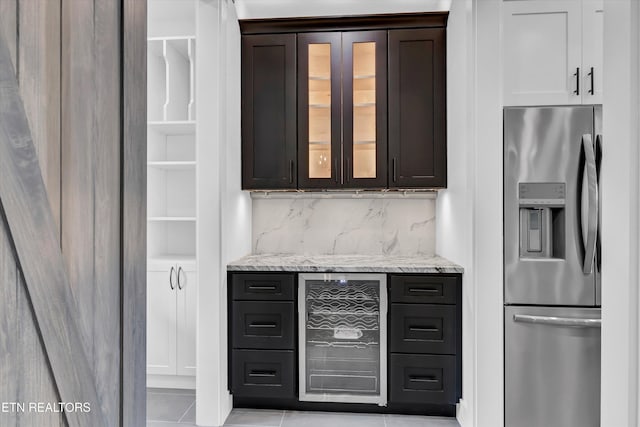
x: 106, y: 152
x: 35, y: 380
x: 9, y: 25
x: 39, y: 80
x: 33, y: 230
x: 9, y: 362
x: 134, y: 213
x: 77, y: 156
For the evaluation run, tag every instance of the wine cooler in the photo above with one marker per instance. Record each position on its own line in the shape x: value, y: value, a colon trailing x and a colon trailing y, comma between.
x: 343, y: 338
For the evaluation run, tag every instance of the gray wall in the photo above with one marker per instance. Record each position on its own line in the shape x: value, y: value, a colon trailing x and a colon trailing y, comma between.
x: 67, y: 55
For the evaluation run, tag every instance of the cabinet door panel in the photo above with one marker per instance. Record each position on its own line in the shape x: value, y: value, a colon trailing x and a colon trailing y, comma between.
x: 541, y: 51
x: 161, y: 323
x: 187, y: 294
x: 592, y: 51
x: 319, y: 111
x: 364, y: 91
x: 417, y: 109
x: 268, y: 111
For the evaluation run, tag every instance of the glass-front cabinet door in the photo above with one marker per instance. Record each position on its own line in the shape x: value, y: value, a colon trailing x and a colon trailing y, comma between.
x: 343, y: 338
x: 364, y: 88
x: 319, y: 105
x: 342, y: 99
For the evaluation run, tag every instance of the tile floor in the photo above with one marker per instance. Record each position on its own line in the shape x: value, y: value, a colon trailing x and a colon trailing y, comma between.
x: 176, y: 408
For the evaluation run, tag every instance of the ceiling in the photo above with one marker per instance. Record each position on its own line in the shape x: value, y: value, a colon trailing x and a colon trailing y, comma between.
x: 255, y: 9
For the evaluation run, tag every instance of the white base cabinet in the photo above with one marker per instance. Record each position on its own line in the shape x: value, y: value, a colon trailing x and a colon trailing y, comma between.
x: 552, y: 52
x: 171, y: 319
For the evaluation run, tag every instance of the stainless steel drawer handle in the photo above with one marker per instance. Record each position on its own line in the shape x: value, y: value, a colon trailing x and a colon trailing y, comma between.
x: 422, y: 329
x: 416, y: 379
x: 558, y: 321
x: 263, y: 325
x: 262, y: 373
x: 262, y: 288
x: 424, y: 291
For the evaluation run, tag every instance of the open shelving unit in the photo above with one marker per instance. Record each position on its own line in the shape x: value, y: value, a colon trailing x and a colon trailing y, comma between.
x: 171, y: 193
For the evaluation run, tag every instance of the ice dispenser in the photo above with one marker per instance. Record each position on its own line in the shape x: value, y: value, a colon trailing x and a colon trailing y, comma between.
x: 542, y: 228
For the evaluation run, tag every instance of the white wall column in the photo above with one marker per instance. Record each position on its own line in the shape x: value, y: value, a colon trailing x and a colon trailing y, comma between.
x: 488, y: 216
x: 224, y: 211
x: 619, y: 186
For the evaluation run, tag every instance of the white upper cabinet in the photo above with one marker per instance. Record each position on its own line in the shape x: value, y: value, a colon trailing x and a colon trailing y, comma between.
x: 549, y: 51
x: 592, y: 52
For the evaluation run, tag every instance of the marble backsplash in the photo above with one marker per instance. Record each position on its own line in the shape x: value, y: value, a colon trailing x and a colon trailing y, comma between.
x: 368, y: 226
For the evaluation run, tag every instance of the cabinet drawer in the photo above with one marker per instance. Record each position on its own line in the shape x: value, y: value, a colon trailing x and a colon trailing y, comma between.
x: 263, y: 373
x: 422, y: 379
x: 422, y: 328
x: 263, y: 286
x: 428, y: 289
x: 263, y: 325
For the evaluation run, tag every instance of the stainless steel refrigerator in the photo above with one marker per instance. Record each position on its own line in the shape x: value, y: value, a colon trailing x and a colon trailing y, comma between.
x: 551, y: 266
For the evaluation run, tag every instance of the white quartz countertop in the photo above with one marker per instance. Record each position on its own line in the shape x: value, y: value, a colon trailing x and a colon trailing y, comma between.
x: 345, y: 263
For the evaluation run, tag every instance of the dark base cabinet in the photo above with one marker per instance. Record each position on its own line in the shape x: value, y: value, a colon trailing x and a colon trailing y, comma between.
x: 424, y: 344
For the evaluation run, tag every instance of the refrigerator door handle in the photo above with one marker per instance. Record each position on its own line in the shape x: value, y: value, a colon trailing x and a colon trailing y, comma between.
x: 558, y: 321
x: 592, y: 213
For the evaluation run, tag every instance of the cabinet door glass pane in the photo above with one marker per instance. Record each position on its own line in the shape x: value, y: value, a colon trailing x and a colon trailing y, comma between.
x: 342, y: 337
x: 320, y: 110
x: 364, y: 110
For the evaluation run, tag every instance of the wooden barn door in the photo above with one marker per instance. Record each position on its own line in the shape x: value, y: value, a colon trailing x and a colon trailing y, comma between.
x: 72, y: 191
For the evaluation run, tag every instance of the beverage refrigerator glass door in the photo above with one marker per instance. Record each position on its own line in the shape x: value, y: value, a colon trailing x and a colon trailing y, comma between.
x: 343, y: 338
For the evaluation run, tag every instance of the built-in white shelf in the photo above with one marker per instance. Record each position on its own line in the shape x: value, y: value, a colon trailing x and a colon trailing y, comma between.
x: 177, y: 127
x: 170, y: 165
x: 173, y: 218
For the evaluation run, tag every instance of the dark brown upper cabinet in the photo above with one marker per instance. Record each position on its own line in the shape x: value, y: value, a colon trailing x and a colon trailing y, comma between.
x: 344, y: 103
x: 269, y: 111
x: 342, y: 110
x: 417, y: 109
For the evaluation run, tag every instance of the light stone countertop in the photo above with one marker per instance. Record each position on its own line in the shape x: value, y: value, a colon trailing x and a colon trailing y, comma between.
x: 345, y: 263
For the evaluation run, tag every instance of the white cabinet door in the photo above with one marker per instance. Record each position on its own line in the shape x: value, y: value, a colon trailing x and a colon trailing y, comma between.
x: 161, y: 323
x: 542, y: 52
x: 592, y: 53
x: 187, y: 306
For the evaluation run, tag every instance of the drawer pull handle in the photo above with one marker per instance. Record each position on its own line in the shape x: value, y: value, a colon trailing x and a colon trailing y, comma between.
x: 422, y: 329
x: 424, y: 291
x: 262, y: 373
x: 262, y: 288
x: 263, y: 325
x: 421, y: 379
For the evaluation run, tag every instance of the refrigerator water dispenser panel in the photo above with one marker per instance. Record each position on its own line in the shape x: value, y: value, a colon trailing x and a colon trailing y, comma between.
x: 541, y: 219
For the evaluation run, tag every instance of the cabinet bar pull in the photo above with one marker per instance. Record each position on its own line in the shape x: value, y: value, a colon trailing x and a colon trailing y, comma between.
x: 262, y: 325
x: 262, y: 373
x: 335, y: 168
x: 421, y: 379
x: 395, y: 177
x: 262, y: 288
x: 291, y: 172
x: 179, y: 281
x: 171, y: 285
x: 592, y: 90
x: 423, y: 329
x: 424, y: 291
x: 348, y: 169
x: 577, y: 76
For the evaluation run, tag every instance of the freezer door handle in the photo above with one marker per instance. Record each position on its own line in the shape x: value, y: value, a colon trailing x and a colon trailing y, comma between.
x: 558, y: 321
x: 592, y: 213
